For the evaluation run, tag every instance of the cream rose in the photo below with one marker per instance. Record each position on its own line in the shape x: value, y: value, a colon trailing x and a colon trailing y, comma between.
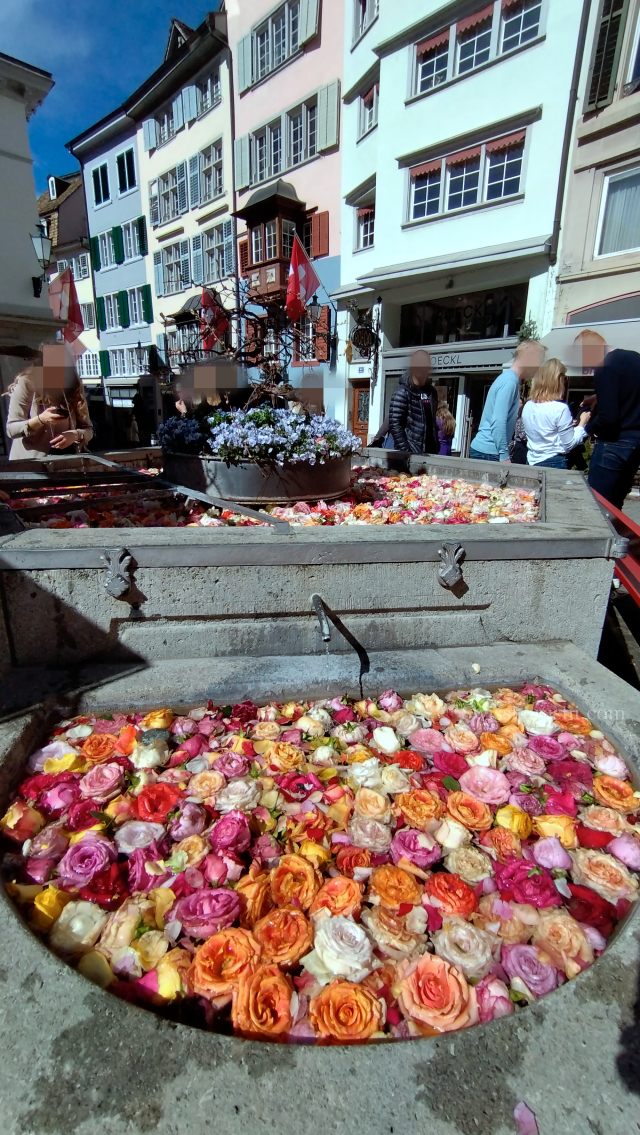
x: 451, y: 835
x: 392, y: 779
x: 266, y: 731
x: 372, y: 834
x: 470, y: 864
x: 310, y: 725
x: 240, y: 795
x: 537, y: 724
x: 465, y: 946
x: 391, y: 934
x: 488, y: 758
x: 372, y: 805
x: 384, y: 738
x: 426, y: 705
x: 78, y: 928
x: 321, y: 715
x: 604, y: 874
x: 324, y: 756
x: 341, y: 948
x: 405, y: 723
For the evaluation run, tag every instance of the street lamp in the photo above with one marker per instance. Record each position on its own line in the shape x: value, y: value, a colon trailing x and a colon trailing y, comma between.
x: 42, y: 245
x: 314, y: 308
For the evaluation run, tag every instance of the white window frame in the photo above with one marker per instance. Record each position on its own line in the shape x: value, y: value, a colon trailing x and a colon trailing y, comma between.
x: 612, y: 175
x: 169, y: 264
x: 412, y: 194
x: 483, y: 180
x: 165, y: 124
x: 464, y: 172
x: 97, y: 170
x: 481, y: 31
x: 89, y: 364
x: 209, y: 91
x: 487, y: 169
x: 257, y: 244
x: 132, y: 364
x: 131, y: 241
x: 305, y: 346
x: 506, y: 18
x: 634, y: 52
x: 271, y: 240
x: 80, y: 266
x: 107, y: 251
x: 288, y: 234
x: 111, y: 312
x: 365, y: 230
x: 62, y: 265
x: 435, y: 57
x: 130, y: 188
x: 211, y: 159
x: 118, y: 362
x: 364, y: 14
x: 168, y: 195
x: 88, y: 312
x: 263, y: 39
x: 308, y: 114
x: 368, y: 117
x: 134, y: 297
x: 213, y: 254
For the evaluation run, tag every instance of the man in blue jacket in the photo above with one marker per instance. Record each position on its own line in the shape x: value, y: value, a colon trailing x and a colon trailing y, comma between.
x: 498, y: 421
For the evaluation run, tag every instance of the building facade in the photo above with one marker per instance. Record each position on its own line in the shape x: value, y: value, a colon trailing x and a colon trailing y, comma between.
x: 457, y: 124
x: 287, y: 70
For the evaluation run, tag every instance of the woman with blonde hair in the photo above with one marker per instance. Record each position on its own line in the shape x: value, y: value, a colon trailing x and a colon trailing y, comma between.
x: 547, y: 419
x: 47, y: 417
x: 445, y: 429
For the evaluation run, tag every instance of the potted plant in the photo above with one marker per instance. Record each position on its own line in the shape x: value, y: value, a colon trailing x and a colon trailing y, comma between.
x: 257, y: 456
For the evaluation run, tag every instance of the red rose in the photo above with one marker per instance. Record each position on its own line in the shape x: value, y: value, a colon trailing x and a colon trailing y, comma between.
x: 81, y: 815
x: 109, y: 888
x: 519, y: 880
x: 560, y: 804
x: 34, y: 786
x: 451, y: 764
x: 590, y: 837
x: 586, y: 906
x: 156, y: 801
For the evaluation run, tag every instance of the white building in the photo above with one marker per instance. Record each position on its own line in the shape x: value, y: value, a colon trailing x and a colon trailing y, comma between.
x: 456, y: 130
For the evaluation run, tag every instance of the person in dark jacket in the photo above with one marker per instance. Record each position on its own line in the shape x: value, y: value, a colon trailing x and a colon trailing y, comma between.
x: 616, y: 425
x: 413, y: 409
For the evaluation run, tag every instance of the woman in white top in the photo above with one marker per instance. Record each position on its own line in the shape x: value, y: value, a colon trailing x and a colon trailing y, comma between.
x: 547, y: 419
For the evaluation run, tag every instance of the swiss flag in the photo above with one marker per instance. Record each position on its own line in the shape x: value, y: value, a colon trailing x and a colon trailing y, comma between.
x: 63, y: 301
x: 303, y: 281
x: 213, y: 321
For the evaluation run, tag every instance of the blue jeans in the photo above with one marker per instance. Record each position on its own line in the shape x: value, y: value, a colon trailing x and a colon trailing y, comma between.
x: 558, y: 461
x: 478, y: 456
x: 613, y: 466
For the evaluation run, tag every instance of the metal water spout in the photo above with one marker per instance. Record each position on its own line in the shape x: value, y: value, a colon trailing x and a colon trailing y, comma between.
x: 318, y: 606
x: 326, y: 616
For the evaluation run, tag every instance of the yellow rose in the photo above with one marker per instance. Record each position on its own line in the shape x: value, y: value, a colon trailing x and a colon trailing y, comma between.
x: 158, y: 719
x: 358, y: 753
x: 514, y: 820
x: 562, y: 827
x: 164, y: 898
x: 194, y: 847
x: 150, y: 948
x: 94, y: 966
x: 77, y: 837
x: 47, y: 906
x: 70, y: 762
x: 314, y: 852
x: 284, y: 757
x: 171, y: 971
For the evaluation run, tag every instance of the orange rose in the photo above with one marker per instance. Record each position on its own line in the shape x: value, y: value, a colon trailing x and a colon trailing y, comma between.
x: 218, y: 964
x: 518, y: 927
x: 504, y: 714
x: 395, y: 887
x: 158, y: 719
x: 469, y: 811
x: 284, y: 757
x: 501, y: 745
x: 261, y: 1003
x: 99, y: 747
x: 420, y: 807
x: 573, y: 723
x: 563, y: 941
x: 451, y: 894
x: 294, y: 882
x: 506, y: 844
x: 373, y: 805
x: 340, y: 895
x: 204, y: 785
x: 255, y: 895
x: 614, y: 793
x: 434, y: 995
x: 562, y: 827
x: 510, y: 731
x: 510, y: 697
x: 346, y: 1012
x: 284, y: 935
x: 349, y: 859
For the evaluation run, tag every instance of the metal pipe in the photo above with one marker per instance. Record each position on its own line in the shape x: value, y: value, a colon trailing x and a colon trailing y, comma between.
x: 318, y: 606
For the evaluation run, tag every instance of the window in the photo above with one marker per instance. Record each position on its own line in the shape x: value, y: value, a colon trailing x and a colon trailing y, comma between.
x: 176, y: 267
x: 111, y: 315
x: 257, y: 245
x: 118, y: 361
x: 304, y: 346
x: 463, y: 183
x: 307, y: 236
x: 487, y: 172
x: 88, y: 364
x: 275, y: 148
x: 504, y: 169
x: 425, y: 192
x: 132, y: 364
x: 520, y: 22
x: 365, y: 13
x: 166, y: 127
x: 365, y: 226
x: 474, y: 45
x: 288, y: 233
x: 604, y: 68
x: 271, y: 240
x: 276, y: 40
x: 633, y: 77
x: 107, y: 253
x: 88, y: 315
x: 172, y: 197
x: 212, y: 177
x: 62, y: 265
x: 296, y: 143
x: 266, y: 157
x: 432, y: 61
x: 131, y: 240
x: 368, y: 112
x: 100, y: 177
x: 136, y: 315
x: 619, y: 227
x: 126, y: 171
x: 209, y: 92
x: 213, y: 244
x: 80, y: 266
x: 302, y: 133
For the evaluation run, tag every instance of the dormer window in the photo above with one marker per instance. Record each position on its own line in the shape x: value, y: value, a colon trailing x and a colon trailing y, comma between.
x: 53, y: 191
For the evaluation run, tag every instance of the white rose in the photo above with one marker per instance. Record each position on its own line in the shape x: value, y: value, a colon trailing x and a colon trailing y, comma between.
x: 324, y: 755
x: 78, y: 928
x: 393, y: 779
x: 470, y: 864
x: 385, y: 739
x: 142, y: 779
x: 342, y: 948
x: 451, y: 834
x: 364, y: 774
x: 406, y: 723
x: 538, y: 724
x: 488, y: 758
x: 241, y: 795
x: 369, y: 833
x: 349, y: 734
x: 150, y: 756
x: 310, y: 726
x: 79, y: 731
x: 136, y: 833
x: 321, y: 715
x: 427, y: 705
x: 465, y: 946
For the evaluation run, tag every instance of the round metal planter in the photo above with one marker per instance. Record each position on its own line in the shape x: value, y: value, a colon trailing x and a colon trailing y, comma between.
x: 251, y: 483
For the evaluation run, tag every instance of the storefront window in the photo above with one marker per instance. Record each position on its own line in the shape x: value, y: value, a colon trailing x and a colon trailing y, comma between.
x: 491, y: 314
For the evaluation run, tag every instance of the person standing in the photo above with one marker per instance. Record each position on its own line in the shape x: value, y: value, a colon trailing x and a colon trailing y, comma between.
x: 42, y: 421
x: 616, y: 425
x: 547, y: 419
x: 445, y: 428
x: 498, y: 420
x: 413, y: 408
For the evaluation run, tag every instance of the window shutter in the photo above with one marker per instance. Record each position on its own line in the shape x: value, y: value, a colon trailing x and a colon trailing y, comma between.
x: 143, y: 244
x: 190, y: 103
x: 147, y: 304
x: 94, y: 252
x: 228, y: 257
x: 158, y: 275
x: 183, y: 196
x: 308, y: 20
x: 197, y: 263
x: 243, y: 256
x: 185, y: 264
x: 604, y: 68
x: 150, y: 133
x: 245, y: 68
x: 105, y: 364
x: 320, y: 234
x: 321, y: 337
x: 194, y: 181
x: 101, y: 314
x: 328, y: 115
x: 123, y: 309
x: 178, y: 114
x: 242, y: 162
x: 154, y: 204
x: 118, y: 244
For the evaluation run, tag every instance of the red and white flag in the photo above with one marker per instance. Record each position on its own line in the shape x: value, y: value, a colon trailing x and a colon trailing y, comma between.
x: 303, y: 281
x: 63, y: 301
x: 214, y: 321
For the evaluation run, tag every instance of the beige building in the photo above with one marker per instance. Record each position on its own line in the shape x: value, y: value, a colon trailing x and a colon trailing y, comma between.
x: 599, y: 259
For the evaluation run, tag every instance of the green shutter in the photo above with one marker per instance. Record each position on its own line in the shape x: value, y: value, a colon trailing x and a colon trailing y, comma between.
x: 123, y: 309
x: 601, y: 83
x: 118, y: 244
x: 328, y: 116
x: 94, y: 252
x: 147, y: 306
x: 105, y: 364
x: 242, y: 161
x: 141, y: 224
x: 243, y: 63
x: 101, y: 315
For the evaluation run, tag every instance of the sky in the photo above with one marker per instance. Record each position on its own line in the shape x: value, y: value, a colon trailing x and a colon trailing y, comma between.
x: 98, y: 52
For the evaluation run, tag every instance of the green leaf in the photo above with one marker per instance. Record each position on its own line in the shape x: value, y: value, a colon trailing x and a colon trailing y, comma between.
x: 451, y: 783
x: 517, y: 998
x: 140, y: 929
x: 254, y: 770
x: 534, y: 871
x: 587, y: 798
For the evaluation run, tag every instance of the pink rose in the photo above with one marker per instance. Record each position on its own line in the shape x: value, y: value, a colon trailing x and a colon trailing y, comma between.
x: 549, y: 748
x: 267, y: 851
x: 611, y: 765
x: 232, y: 765
x: 137, y: 833
x: 292, y: 736
x: 527, y: 802
x: 428, y: 741
x: 390, y: 701
x: 493, y: 999
x: 549, y: 852
x: 486, y: 784
x: 39, y: 870
x: 524, y: 962
x: 418, y: 847
x: 298, y: 785
x: 518, y: 881
x: 84, y: 859
x: 102, y: 782
x: 214, y: 870
x: 560, y: 804
x: 194, y: 745
x: 625, y: 847
x: 231, y: 833
x: 184, y: 726
x: 208, y: 726
x: 483, y: 723
x: 56, y: 800
x: 50, y: 843
x: 139, y: 878
x: 206, y: 911
x: 191, y: 820
x: 526, y: 762
x: 341, y: 716
x: 451, y: 764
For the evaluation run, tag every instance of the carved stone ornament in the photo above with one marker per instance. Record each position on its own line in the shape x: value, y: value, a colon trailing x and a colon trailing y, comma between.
x: 449, y: 572
x: 119, y: 578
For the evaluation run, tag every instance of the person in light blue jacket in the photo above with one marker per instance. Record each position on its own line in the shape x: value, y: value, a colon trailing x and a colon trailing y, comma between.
x: 498, y: 421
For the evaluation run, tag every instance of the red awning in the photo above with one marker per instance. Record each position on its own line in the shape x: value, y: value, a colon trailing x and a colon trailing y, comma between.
x: 366, y: 211
x: 506, y: 142
x: 482, y: 16
x: 507, y: 5
x: 367, y: 98
x: 429, y: 45
x: 463, y: 156
x: 425, y: 168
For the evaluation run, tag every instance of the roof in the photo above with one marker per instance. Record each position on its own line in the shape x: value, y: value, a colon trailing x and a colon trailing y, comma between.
x: 27, y: 66
x: 179, y: 33
x: 280, y: 188
x: 45, y: 204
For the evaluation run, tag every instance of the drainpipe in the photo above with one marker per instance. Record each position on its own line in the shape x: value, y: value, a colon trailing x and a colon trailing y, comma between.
x: 568, y: 131
x: 234, y: 201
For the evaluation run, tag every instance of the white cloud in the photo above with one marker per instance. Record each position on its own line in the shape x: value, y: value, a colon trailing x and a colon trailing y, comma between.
x: 42, y: 34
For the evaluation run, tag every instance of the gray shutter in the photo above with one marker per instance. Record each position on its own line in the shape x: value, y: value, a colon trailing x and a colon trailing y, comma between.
x: 154, y: 204
x: 243, y: 161
x: 194, y: 181
x: 245, y: 66
x: 185, y: 264
x: 229, y: 260
x: 197, y: 263
x: 183, y: 195
x: 190, y: 103
x: 308, y: 20
x: 178, y: 115
x: 158, y: 273
x: 150, y: 133
x: 328, y: 115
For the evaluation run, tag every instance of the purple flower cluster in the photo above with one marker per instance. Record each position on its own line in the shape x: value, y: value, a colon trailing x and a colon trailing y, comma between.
x: 278, y: 435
